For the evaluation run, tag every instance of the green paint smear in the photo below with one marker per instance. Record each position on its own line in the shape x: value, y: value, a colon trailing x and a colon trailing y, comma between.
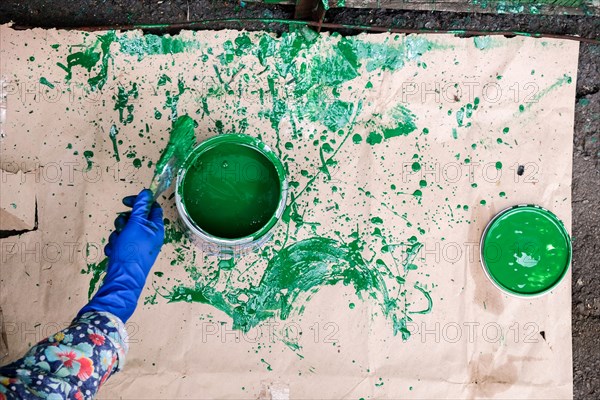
x: 113, y: 137
x: 133, y: 45
x: 97, y: 270
x: 527, y: 250
x: 565, y: 79
x: 294, y: 274
x: 405, y: 122
x: 88, y: 58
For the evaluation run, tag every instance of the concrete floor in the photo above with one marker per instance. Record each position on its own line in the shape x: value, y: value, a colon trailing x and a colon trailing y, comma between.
x: 586, y: 156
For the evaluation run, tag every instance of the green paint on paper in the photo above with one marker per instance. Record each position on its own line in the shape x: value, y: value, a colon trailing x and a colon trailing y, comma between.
x: 262, y: 360
x: 405, y: 122
x: 88, y: 59
x: 45, y: 81
x: 123, y: 105
x: 374, y: 138
x: 163, y: 80
x: 113, y: 137
x: 485, y: 42
x: 97, y: 270
x: 88, y: 154
x: 298, y: 271
x: 527, y: 250
x: 565, y: 79
x: 319, y: 77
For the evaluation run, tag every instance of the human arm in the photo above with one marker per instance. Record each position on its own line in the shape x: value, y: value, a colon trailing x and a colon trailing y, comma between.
x: 74, y: 363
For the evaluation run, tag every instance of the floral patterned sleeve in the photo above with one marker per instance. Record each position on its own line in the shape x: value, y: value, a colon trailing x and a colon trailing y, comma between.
x: 71, y: 364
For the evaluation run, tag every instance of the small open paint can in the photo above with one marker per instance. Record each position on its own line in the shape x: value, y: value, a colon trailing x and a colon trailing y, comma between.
x: 525, y: 250
x: 231, y: 193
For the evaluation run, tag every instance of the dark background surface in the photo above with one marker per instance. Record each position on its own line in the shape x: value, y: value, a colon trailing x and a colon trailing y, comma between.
x: 586, y: 163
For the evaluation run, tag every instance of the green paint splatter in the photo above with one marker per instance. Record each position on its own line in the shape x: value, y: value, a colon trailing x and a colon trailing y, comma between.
x: 405, y: 122
x: 113, y: 137
x: 97, y: 270
x: 374, y: 138
x: 88, y: 154
x: 269, y: 368
x: 123, y: 105
x: 45, y: 81
x: 163, y: 80
x: 88, y: 59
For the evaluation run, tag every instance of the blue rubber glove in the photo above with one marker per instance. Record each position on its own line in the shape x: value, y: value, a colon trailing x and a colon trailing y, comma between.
x: 131, y: 250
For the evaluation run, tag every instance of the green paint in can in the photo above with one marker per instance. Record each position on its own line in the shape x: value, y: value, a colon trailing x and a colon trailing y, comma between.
x: 526, y: 250
x: 231, y: 192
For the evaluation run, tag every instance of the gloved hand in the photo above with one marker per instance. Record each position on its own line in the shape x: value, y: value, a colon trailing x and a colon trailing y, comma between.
x: 131, y: 250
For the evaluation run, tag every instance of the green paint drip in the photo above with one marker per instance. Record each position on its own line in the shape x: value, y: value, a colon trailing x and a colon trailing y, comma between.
x: 527, y: 250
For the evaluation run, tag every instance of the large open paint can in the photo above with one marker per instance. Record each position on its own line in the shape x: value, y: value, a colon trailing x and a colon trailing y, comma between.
x: 525, y: 250
x: 231, y: 193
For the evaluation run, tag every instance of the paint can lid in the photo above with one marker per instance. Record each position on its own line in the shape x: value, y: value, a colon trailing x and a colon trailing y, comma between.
x: 525, y: 250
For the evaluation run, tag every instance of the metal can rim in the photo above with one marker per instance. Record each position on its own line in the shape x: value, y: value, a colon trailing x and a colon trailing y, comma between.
x: 255, y: 144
